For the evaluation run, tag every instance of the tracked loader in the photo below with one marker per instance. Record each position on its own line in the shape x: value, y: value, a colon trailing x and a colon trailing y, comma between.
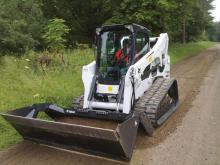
x: 128, y: 85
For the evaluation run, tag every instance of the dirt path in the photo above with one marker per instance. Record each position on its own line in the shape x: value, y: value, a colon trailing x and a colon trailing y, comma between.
x: 190, y: 136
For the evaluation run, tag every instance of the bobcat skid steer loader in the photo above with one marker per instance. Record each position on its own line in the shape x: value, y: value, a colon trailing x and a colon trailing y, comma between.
x: 126, y: 86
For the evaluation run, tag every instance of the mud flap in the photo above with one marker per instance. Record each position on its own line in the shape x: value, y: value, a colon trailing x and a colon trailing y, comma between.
x: 114, y: 143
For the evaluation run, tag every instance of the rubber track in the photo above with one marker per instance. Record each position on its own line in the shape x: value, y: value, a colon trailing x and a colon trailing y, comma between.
x: 78, y: 102
x: 151, y: 100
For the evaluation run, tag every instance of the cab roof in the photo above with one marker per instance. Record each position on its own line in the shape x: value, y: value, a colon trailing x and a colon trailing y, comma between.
x: 130, y: 26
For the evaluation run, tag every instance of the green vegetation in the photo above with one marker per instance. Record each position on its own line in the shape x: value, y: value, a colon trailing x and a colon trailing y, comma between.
x: 55, y: 34
x: 179, y: 52
x: 36, y: 77
x: 27, y: 79
x: 23, y: 23
x: 214, y: 31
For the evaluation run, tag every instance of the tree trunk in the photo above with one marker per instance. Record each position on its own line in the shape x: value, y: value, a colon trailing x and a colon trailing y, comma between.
x: 184, y: 31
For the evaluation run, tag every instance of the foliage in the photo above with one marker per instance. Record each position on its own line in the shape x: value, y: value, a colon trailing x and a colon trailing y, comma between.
x: 23, y: 21
x: 55, y: 33
x: 21, y: 25
x: 184, y: 20
x: 82, y: 16
x: 214, y: 32
x: 152, y: 14
x: 31, y: 84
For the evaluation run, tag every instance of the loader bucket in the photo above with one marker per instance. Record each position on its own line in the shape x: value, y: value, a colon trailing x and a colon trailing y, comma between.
x: 116, y: 141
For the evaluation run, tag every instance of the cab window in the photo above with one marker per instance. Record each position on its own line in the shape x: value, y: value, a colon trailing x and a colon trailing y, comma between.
x: 141, y: 45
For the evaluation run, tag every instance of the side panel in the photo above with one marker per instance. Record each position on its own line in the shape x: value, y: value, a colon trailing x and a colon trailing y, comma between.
x: 88, y: 72
x: 128, y: 92
x: 157, y: 57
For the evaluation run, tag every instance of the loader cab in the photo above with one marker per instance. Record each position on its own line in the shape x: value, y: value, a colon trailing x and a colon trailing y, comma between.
x: 118, y: 47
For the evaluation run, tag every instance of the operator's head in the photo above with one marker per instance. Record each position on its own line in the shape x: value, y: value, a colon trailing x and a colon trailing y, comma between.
x: 126, y: 43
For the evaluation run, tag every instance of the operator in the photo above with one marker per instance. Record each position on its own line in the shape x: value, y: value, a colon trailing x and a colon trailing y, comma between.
x: 121, y: 55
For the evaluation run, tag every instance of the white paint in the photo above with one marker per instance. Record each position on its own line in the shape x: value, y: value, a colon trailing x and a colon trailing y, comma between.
x: 88, y: 73
x: 158, y: 51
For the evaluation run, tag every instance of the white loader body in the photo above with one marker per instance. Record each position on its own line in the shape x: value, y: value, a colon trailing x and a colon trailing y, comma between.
x: 157, y: 55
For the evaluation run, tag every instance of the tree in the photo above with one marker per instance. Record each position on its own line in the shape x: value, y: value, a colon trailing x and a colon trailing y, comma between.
x: 55, y: 34
x: 184, y: 20
x: 81, y: 16
x: 156, y: 15
x: 22, y: 21
x: 190, y: 19
x: 21, y: 24
x: 214, y: 32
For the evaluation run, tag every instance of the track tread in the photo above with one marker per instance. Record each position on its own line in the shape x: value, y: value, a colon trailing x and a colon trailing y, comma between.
x: 151, y: 100
x: 78, y: 102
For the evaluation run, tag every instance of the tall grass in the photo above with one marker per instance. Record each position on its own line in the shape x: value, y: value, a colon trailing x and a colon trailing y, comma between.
x: 24, y: 81
x: 23, y: 84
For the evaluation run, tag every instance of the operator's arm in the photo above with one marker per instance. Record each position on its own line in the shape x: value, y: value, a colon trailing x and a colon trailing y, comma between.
x: 118, y: 54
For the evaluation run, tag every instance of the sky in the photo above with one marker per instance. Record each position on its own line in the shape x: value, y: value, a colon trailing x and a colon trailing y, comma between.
x: 216, y: 11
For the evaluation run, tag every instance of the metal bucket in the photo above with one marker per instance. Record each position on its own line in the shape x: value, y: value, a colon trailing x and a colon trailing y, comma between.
x: 114, y: 142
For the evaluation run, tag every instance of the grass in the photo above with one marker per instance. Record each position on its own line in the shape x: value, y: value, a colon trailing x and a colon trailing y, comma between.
x: 179, y: 52
x: 23, y: 82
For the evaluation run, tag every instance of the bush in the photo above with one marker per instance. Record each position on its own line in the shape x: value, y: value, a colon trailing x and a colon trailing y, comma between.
x: 21, y: 24
x: 55, y: 34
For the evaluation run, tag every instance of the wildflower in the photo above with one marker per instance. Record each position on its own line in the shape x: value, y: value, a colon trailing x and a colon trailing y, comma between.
x: 36, y: 95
